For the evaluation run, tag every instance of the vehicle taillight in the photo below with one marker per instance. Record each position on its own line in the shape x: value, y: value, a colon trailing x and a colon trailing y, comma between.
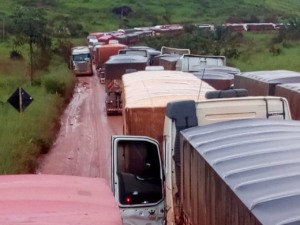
x: 128, y: 200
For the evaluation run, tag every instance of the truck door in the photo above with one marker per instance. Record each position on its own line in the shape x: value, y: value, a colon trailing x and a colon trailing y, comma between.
x: 137, y: 180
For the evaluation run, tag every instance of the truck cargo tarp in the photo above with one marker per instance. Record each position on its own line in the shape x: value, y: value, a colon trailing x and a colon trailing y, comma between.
x: 258, y: 159
x: 146, y: 94
x: 117, y: 65
x: 157, y: 88
x: 224, y: 69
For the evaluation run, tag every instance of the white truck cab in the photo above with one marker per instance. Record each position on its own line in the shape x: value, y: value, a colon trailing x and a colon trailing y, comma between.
x: 81, y: 61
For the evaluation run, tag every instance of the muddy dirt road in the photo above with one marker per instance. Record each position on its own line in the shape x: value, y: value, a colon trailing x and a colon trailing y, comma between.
x: 83, y: 143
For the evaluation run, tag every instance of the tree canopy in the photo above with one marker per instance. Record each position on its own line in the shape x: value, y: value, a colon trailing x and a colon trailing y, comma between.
x: 29, y: 27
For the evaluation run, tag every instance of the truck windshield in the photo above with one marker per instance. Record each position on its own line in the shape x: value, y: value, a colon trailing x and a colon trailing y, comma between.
x: 138, y: 170
x: 81, y: 57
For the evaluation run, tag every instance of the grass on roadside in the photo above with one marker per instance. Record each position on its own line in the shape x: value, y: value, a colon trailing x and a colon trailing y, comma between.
x: 23, y: 136
x: 258, y: 53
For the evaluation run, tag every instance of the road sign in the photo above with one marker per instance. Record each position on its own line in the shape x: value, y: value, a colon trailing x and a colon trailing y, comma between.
x: 20, y: 99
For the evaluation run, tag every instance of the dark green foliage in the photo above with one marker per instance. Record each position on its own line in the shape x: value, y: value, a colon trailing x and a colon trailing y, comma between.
x: 275, y: 51
x: 63, y: 48
x: 65, y: 26
x: 38, y: 3
x: 122, y: 10
x: 243, y: 19
x: 16, y: 55
x: 293, y: 30
x: 41, y: 59
x: 29, y: 26
x: 288, y: 32
x: 204, y: 42
x: 54, y: 86
x: 232, y: 53
x: 270, y: 18
x: 44, y: 143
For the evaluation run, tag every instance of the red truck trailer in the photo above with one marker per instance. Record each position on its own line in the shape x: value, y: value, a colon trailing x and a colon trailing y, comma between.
x: 102, y: 54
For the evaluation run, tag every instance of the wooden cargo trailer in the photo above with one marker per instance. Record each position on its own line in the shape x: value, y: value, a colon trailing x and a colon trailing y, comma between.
x: 262, y: 83
x: 241, y: 172
x: 146, y: 94
x: 291, y: 92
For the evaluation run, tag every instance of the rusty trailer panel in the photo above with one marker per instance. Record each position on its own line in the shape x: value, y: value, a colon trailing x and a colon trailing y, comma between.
x: 168, y: 61
x: 241, y: 172
x: 104, y: 52
x: 262, y: 83
x: 218, y: 80
x: 291, y: 92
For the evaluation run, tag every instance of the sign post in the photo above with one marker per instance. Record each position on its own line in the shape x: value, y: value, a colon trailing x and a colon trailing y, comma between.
x: 20, y: 99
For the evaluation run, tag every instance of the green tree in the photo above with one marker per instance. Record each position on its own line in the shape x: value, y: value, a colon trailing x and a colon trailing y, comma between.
x: 30, y: 28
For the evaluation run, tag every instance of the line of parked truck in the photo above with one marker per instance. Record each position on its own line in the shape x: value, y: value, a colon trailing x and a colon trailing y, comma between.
x: 220, y: 157
x: 197, y: 151
x: 132, y: 36
x: 222, y: 161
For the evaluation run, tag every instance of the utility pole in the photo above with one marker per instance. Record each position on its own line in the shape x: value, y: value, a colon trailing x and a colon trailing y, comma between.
x: 3, y: 31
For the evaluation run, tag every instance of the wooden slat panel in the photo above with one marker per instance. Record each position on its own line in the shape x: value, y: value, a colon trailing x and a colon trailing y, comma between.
x: 144, y: 121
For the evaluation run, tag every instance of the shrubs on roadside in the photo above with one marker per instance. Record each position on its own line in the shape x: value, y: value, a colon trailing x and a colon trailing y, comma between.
x: 60, y: 82
x: 54, y: 86
x: 16, y: 55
